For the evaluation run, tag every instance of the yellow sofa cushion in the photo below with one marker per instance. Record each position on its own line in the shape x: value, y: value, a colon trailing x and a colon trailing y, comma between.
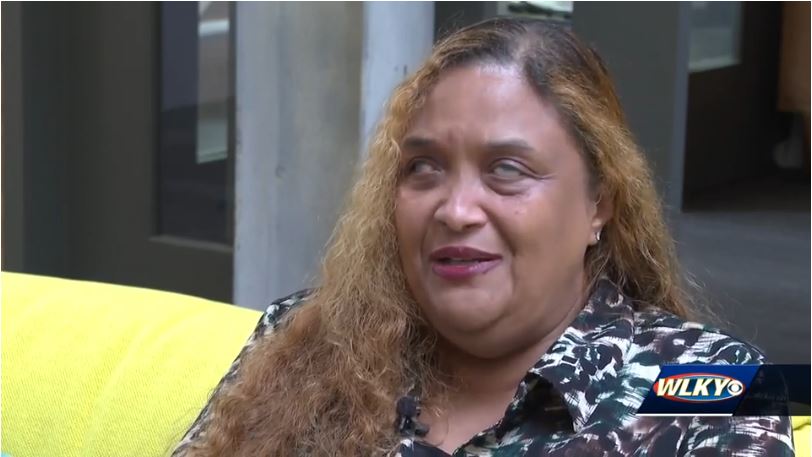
x: 92, y: 369
x: 800, y: 434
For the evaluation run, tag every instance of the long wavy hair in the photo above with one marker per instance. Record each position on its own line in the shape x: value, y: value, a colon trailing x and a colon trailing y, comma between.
x: 327, y: 381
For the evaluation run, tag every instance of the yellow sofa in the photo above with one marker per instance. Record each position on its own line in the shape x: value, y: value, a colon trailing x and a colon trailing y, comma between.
x: 92, y: 369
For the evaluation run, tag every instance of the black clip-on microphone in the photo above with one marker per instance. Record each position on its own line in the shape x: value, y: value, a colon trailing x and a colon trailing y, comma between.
x: 408, y: 409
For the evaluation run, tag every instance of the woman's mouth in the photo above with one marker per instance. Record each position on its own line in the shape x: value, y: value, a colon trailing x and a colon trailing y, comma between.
x: 462, y: 262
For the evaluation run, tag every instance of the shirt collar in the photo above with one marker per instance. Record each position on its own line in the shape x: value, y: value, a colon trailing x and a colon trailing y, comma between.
x: 587, y: 358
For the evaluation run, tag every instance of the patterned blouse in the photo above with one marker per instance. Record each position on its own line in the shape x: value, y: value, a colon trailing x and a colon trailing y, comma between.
x: 580, y: 398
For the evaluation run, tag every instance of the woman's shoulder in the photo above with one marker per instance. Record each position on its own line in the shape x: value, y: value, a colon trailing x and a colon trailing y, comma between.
x: 678, y: 340
x: 275, y: 313
x: 281, y: 306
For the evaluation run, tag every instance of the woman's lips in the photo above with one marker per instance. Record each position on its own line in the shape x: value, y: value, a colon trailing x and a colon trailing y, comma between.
x: 461, y: 262
x: 465, y: 270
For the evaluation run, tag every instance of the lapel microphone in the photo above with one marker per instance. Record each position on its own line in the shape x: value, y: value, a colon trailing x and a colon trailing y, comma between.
x: 408, y: 410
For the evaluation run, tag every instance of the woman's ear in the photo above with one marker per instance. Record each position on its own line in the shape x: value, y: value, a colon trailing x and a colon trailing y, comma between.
x: 604, y: 210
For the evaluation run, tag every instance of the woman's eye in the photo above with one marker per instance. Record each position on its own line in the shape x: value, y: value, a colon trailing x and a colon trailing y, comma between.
x: 421, y: 167
x: 507, y: 170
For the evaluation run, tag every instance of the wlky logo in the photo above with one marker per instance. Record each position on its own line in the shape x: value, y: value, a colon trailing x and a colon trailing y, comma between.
x: 698, y: 390
x: 698, y: 387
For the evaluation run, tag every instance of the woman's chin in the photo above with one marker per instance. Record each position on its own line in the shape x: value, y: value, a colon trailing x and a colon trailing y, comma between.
x: 467, y: 316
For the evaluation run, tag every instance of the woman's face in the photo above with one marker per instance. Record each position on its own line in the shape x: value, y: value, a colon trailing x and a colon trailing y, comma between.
x: 494, y: 212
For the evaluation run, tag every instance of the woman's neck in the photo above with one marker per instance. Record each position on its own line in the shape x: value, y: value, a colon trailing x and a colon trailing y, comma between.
x: 481, y: 378
x: 484, y: 387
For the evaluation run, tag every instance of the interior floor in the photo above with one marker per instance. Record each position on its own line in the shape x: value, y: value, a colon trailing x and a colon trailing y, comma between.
x: 748, y: 247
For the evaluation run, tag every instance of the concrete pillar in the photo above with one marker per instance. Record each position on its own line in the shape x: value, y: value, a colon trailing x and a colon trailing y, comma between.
x: 397, y: 38
x: 310, y: 82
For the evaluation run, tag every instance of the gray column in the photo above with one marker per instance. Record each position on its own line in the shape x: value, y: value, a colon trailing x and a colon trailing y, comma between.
x: 397, y: 38
x: 645, y: 45
x: 310, y: 81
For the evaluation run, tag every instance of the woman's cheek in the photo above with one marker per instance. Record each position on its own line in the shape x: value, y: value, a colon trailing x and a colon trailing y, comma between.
x: 408, y: 230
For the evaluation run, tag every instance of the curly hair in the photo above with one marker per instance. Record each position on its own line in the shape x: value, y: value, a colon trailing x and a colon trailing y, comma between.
x: 327, y: 381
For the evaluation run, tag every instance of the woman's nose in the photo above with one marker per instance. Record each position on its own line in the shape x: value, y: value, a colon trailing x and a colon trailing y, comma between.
x: 461, y: 209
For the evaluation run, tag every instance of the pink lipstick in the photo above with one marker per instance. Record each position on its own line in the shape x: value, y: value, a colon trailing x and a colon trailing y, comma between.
x: 462, y: 262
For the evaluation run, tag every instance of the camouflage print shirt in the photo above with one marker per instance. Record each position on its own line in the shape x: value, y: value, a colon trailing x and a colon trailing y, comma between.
x: 580, y: 398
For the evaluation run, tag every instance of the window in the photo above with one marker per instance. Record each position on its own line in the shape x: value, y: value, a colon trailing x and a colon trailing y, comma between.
x: 714, y: 35
x: 195, y: 189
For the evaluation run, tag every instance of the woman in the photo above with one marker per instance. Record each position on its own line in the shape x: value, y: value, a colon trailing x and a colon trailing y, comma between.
x: 502, y: 283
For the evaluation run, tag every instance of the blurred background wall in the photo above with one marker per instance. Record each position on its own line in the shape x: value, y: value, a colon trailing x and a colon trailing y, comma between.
x: 206, y: 147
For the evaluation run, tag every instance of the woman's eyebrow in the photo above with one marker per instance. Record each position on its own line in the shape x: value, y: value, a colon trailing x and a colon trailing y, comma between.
x: 413, y: 142
x: 513, y: 144
x: 420, y: 144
